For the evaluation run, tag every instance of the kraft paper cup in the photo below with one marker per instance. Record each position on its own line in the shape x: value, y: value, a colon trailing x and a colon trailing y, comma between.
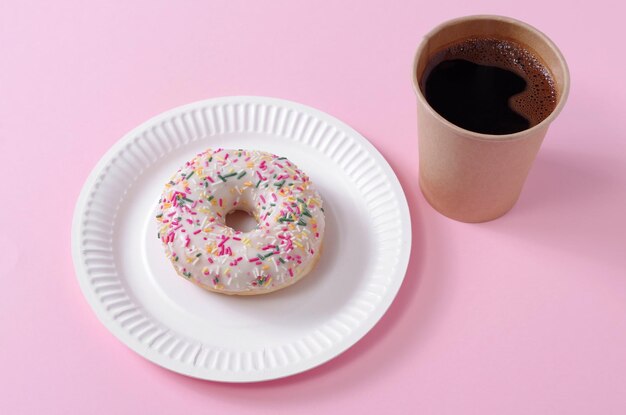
x: 469, y: 176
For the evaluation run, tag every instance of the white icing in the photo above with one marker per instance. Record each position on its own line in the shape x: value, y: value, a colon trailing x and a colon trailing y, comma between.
x: 203, y: 249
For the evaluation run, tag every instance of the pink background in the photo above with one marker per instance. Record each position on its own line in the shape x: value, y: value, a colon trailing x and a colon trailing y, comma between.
x: 523, y: 315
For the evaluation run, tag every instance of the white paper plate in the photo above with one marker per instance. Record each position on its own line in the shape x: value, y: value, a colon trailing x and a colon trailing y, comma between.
x: 138, y: 296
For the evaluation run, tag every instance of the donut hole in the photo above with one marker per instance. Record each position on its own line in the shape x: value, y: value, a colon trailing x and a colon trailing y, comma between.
x: 240, y: 220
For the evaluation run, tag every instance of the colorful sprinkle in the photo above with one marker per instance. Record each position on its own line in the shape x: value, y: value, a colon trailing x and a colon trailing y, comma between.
x: 191, y: 226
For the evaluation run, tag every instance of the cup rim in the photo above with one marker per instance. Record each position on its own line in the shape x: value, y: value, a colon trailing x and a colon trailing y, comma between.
x: 482, y: 136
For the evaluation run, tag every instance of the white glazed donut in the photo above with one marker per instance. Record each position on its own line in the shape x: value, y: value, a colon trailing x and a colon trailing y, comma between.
x: 283, y: 247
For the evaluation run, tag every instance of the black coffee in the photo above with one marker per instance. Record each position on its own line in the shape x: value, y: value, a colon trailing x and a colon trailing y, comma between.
x: 489, y: 86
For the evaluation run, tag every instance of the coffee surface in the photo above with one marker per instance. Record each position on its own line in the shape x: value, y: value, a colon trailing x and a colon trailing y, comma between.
x: 489, y: 86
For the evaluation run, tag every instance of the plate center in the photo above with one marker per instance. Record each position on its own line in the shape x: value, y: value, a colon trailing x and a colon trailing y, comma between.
x: 344, y: 267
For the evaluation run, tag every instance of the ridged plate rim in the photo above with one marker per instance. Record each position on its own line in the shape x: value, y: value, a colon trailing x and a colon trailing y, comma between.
x: 182, y: 356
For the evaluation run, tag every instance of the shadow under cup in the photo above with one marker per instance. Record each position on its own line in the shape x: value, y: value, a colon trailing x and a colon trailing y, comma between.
x: 469, y: 176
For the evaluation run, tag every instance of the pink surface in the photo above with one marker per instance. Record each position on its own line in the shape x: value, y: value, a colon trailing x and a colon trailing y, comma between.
x: 523, y: 315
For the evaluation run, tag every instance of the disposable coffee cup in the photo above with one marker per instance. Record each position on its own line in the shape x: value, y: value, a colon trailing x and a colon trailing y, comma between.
x: 470, y: 176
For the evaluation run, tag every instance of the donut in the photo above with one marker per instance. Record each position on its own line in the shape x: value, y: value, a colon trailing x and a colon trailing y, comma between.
x: 284, y: 246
